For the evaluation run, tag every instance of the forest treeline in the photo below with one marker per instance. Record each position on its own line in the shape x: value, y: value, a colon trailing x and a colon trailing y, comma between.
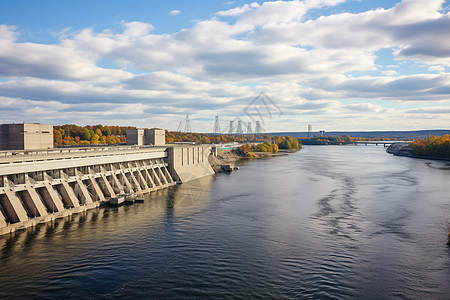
x: 273, y: 145
x: 329, y: 140
x: 70, y: 135
x: 435, y: 146
x: 205, y: 138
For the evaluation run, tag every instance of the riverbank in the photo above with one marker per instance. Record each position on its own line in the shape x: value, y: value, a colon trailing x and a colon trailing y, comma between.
x: 405, y: 149
x: 230, y: 157
x: 271, y: 154
x: 225, y: 159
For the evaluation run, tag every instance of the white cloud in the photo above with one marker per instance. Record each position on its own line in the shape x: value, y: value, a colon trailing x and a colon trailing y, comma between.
x: 205, y: 68
x: 389, y: 73
x: 175, y: 12
x: 366, y: 107
x: 430, y: 110
x: 440, y: 69
x: 51, y: 61
x: 238, y: 10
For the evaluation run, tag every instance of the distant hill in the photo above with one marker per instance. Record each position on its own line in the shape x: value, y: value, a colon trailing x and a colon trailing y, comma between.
x: 416, y: 134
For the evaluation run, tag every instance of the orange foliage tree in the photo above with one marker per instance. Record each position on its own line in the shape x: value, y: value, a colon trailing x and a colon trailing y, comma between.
x: 435, y: 146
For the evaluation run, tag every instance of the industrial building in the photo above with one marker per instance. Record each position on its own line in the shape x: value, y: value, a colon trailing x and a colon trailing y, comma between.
x: 145, y: 136
x: 26, y: 136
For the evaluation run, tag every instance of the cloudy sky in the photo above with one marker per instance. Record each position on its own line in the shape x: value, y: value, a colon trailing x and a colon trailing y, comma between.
x: 335, y: 64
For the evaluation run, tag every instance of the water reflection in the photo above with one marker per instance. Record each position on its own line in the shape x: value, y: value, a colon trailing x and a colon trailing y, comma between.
x: 328, y: 222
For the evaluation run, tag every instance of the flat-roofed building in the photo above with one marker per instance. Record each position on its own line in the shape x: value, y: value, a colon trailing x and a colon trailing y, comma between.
x: 140, y: 137
x: 135, y: 137
x: 155, y: 136
x: 26, y: 136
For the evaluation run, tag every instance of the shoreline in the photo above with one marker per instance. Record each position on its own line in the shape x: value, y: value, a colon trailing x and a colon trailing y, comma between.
x: 405, y: 149
x: 422, y: 157
x: 229, y: 157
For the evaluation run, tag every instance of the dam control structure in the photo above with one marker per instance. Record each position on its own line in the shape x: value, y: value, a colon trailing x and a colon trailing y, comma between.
x: 41, y: 185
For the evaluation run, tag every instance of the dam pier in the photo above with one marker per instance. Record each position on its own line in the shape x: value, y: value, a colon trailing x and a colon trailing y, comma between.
x: 38, y: 186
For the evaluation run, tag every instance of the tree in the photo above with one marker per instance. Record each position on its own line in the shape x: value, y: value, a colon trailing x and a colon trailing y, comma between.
x: 57, y: 137
x: 86, y: 134
x: 111, y: 140
x: 95, y: 139
x: 206, y: 140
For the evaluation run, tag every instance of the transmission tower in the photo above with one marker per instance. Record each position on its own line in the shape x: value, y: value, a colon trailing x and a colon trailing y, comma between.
x: 258, y: 129
x: 217, y: 126
x: 187, y: 127
x: 231, y: 129
x: 239, y: 129
x: 249, y: 128
x: 309, y: 130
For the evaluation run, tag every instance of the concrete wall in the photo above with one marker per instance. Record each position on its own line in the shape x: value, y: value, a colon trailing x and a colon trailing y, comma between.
x: 27, y: 136
x: 42, y: 188
x: 135, y: 137
x: 189, y: 162
x: 39, y: 188
x: 141, y: 137
x: 4, y: 137
x: 155, y: 137
x: 38, y: 136
x: 15, y: 136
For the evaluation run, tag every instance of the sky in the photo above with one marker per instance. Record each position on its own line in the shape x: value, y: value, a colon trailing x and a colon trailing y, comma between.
x: 339, y: 65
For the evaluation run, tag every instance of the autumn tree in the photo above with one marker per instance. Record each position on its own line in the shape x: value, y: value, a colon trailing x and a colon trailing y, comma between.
x: 95, y: 139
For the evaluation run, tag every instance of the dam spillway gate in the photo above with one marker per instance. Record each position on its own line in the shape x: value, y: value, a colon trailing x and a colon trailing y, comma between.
x: 39, y: 187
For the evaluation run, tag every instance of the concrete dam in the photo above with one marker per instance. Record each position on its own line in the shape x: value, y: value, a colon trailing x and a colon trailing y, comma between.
x: 40, y: 186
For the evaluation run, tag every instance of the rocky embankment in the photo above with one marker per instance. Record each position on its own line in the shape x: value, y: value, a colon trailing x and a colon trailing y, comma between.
x: 224, y: 162
x: 401, y: 149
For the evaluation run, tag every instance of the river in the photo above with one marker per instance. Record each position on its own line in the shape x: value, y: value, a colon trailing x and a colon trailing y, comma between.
x: 328, y: 222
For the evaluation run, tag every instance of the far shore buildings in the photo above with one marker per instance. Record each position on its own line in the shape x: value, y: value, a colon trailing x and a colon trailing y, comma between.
x: 26, y: 136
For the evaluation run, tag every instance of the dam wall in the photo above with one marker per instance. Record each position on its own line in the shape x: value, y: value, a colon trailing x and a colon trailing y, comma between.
x: 189, y: 162
x: 43, y: 186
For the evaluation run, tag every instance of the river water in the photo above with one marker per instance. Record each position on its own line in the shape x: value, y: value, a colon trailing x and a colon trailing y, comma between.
x: 328, y: 222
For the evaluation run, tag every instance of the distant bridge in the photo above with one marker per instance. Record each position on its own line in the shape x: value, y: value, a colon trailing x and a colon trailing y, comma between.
x: 376, y: 143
